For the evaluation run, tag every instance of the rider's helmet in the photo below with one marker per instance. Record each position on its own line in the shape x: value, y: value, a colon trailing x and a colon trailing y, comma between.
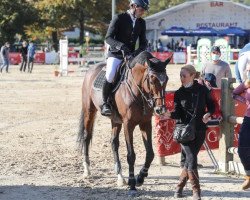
x: 142, y: 3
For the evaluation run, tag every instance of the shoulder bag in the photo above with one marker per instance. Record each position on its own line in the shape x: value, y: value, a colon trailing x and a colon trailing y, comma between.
x: 184, y: 133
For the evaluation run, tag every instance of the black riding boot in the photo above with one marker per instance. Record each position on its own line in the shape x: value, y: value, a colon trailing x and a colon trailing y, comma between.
x: 106, y: 90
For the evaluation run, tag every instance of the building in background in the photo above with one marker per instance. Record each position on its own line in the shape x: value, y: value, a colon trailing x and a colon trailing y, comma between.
x: 200, y: 13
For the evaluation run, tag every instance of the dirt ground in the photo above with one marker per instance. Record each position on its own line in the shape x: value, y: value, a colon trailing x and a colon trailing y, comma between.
x: 39, y: 116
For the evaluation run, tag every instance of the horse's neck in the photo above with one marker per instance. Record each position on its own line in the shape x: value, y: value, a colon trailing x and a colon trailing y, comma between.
x: 134, y: 80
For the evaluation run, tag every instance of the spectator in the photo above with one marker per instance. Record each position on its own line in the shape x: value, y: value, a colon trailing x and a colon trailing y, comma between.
x: 182, y: 45
x: 24, y: 52
x: 240, y: 66
x: 244, y: 136
x: 31, y: 54
x: 186, y: 97
x: 5, y: 56
x: 159, y: 46
x: 216, y: 117
x: 217, y: 67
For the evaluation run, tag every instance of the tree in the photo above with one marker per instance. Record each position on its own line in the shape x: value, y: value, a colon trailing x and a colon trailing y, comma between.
x: 14, y: 15
x: 158, y: 5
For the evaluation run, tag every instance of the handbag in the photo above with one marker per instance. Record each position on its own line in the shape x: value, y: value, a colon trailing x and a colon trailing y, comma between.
x: 184, y: 133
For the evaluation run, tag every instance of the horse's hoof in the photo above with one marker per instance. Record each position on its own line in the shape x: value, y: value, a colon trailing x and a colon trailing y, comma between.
x: 133, y: 193
x: 139, y: 180
x: 86, y: 174
x: 121, y: 182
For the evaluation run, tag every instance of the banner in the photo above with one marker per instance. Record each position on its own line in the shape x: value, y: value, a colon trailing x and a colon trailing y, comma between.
x: 15, y: 58
x: 39, y: 57
x: 164, y: 128
x: 178, y: 57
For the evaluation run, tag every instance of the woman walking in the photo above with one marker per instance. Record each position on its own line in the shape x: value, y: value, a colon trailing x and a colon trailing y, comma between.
x: 191, y: 97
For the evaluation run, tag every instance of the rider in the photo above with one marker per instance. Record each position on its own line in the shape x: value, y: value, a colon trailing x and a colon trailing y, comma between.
x: 122, y: 34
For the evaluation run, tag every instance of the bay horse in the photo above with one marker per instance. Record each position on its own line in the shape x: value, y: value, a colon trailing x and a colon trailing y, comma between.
x: 140, y: 94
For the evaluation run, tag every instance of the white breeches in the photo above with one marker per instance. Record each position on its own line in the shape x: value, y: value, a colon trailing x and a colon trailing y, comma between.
x: 112, y: 67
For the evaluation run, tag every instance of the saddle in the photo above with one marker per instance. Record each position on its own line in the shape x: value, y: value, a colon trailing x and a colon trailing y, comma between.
x: 100, y: 78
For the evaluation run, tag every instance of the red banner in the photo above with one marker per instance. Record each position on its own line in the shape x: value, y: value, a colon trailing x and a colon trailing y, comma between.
x: 163, y: 55
x: 164, y: 128
x: 39, y: 58
x: 15, y: 58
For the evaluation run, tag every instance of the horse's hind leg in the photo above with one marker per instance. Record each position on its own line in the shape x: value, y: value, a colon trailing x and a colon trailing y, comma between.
x: 146, y: 129
x: 85, y: 133
x: 116, y: 129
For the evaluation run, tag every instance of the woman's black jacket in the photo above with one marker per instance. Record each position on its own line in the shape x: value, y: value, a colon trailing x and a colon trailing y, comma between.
x: 185, y: 100
x: 121, y: 32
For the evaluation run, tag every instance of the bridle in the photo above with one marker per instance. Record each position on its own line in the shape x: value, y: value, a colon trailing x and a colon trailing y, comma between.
x: 162, y: 78
x: 151, y: 99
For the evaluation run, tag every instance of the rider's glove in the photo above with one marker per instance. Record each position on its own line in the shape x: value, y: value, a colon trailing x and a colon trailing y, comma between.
x: 125, y: 50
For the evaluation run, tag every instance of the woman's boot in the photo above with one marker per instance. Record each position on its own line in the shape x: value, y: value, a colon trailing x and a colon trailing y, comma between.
x: 246, y: 183
x: 182, y: 182
x: 194, y: 180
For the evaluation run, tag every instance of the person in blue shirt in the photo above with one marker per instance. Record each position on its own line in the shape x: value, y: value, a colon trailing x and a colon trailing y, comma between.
x: 30, y: 55
x: 240, y: 66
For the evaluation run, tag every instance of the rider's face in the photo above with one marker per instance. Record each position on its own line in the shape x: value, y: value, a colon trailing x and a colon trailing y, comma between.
x: 139, y: 11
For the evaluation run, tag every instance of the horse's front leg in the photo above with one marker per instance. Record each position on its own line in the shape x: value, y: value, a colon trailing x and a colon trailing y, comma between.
x: 116, y: 129
x: 146, y: 129
x: 128, y: 131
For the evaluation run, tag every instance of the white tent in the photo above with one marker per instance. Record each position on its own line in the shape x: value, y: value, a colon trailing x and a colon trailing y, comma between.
x: 199, y: 13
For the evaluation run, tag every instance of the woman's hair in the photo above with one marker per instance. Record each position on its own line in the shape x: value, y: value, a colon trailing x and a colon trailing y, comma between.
x: 191, y: 70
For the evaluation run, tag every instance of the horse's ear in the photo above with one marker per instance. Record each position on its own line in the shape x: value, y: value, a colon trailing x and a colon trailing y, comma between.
x: 168, y: 59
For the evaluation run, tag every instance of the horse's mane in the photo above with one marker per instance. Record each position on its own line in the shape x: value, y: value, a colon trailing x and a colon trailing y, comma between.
x: 141, y: 58
x: 155, y: 64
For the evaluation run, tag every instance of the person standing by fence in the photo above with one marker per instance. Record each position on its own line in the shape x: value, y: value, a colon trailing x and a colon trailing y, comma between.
x: 24, y: 52
x: 240, y: 66
x: 244, y: 134
x: 189, y: 98
x: 217, y: 67
x: 5, y: 56
x: 31, y: 54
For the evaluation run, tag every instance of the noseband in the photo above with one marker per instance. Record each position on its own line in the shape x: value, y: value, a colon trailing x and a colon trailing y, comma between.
x: 151, y: 100
x: 162, y: 78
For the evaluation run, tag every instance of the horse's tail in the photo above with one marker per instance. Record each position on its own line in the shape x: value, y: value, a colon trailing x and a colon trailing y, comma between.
x: 81, y: 133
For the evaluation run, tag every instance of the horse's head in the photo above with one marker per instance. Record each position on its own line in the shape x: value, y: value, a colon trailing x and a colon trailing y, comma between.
x: 156, y: 82
x: 153, y: 81
x: 149, y: 74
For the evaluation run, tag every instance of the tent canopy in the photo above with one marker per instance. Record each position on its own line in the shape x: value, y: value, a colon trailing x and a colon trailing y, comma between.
x: 175, y: 31
x: 203, y: 31
x: 232, y: 31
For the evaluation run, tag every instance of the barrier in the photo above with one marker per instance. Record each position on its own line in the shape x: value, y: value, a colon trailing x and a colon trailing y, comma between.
x: 164, y: 128
x: 15, y: 58
x: 232, y: 118
x: 178, y: 57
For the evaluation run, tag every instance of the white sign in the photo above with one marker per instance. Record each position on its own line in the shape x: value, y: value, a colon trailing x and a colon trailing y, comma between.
x: 64, y: 56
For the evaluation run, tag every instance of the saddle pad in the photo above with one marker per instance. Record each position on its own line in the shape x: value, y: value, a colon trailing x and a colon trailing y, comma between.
x: 99, y: 81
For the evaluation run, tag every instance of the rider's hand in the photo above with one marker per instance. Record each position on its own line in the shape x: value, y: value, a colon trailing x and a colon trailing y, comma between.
x: 125, y: 50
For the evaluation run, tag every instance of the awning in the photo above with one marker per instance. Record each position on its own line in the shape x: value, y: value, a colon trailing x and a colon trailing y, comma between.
x: 232, y: 31
x: 203, y: 31
x: 175, y: 31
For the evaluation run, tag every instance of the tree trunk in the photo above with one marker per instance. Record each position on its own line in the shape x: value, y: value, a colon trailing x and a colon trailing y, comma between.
x: 54, y: 40
x: 81, y: 25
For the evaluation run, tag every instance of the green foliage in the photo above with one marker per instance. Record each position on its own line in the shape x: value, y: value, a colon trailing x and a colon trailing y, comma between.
x: 14, y: 15
x: 159, y: 5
